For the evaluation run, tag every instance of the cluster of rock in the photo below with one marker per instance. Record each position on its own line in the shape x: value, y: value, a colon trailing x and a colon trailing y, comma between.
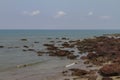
x: 102, y: 51
x: 56, y: 51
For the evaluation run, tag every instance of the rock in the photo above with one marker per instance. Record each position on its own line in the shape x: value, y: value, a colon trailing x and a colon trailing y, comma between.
x: 110, y: 70
x: 107, y: 78
x: 86, y: 62
x: 71, y: 56
x: 117, y: 60
x: 48, y: 44
x: 64, y: 73
x: 92, y: 77
x: 39, y: 53
x: 52, y: 48
x: 78, y: 72
x: 52, y: 41
x: 51, y: 53
x: 26, y: 46
x: 21, y: 66
x: 59, y: 41
x: 83, y: 57
x: 64, y: 38
x: 91, y: 55
x: 1, y: 46
x: 31, y: 49
x: 66, y: 79
x: 49, y: 38
x: 24, y: 50
x: 67, y: 45
x: 24, y: 40
x: 62, y: 53
x: 36, y: 42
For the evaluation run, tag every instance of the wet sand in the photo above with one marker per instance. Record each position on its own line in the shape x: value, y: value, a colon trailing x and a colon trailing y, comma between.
x: 43, y: 72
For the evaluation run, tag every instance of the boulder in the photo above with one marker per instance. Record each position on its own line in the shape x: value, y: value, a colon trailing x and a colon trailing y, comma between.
x: 110, y: 70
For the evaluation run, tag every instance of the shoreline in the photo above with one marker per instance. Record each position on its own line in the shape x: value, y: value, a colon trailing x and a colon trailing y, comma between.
x: 82, y: 59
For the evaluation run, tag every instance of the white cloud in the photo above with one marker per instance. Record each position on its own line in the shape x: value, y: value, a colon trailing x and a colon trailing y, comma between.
x: 105, y: 17
x: 60, y: 14
x: 33, y: 13
x: 90, y: 13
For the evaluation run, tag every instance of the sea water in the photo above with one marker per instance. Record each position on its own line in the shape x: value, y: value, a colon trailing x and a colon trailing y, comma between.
x: 10, y: 57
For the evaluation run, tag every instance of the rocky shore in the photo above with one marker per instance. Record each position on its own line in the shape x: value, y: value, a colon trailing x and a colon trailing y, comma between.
x: 100, y: 56
x: 102, y: 52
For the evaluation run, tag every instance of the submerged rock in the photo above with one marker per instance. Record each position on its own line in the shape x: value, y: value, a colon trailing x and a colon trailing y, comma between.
x: 24, y: 40
x: 26, y: 46
x: 31, y: 50
x: 1, y: 46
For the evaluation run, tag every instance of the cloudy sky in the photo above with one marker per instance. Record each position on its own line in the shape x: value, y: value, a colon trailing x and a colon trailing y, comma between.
x: 59, y: 14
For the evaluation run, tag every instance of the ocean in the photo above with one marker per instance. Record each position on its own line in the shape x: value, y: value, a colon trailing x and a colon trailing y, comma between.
x: 12, y: 54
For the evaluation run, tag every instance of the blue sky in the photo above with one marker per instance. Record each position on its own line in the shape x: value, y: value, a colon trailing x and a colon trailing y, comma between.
x: 59, y: 14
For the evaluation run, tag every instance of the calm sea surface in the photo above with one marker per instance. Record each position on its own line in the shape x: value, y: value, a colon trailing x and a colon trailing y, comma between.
x: 10, y: 56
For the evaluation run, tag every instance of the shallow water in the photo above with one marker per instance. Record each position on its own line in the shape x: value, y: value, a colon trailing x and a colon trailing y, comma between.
x: 11, y: 57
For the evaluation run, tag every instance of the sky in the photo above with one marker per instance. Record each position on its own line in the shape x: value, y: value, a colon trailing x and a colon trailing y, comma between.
x: 59, y: 14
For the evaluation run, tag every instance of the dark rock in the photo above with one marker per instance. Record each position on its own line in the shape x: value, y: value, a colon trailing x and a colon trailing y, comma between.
x: 110, y: 70
x: 52, y: 41
x: 49, y: 38
x: 52, y: 48
x: 107, y: 78
x: 66, y: 79
x: 24, y: 50
x: 71, y: 56
x: 86, y: 62
x: 65, y: 38
x: 78, y: 72
x: 92, y: 77
x: 89, y: 66
x: 39, y: 53
x: 83, y: 57
x: 67, y: 45
x: 59, y: 41
x: 36, y: 42
x: 62, y: 53
x: 24, y: 40
x: 1, y: 46
x: 26, y: 46
x: 31, y: 49
x: 91, y: 55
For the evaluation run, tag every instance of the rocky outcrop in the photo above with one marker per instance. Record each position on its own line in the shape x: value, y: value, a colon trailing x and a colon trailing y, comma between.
x: 110, y: 70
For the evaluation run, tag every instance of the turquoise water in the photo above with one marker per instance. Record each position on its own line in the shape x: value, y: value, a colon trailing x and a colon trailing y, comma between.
x: 10, y: 57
